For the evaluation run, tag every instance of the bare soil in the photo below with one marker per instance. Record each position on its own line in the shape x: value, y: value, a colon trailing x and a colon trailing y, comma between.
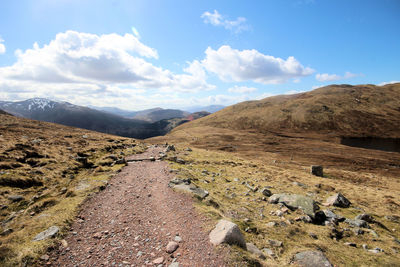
x: 131, y: 222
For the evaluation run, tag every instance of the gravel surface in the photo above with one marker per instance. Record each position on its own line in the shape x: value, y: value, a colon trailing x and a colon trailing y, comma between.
x: 133, y: 220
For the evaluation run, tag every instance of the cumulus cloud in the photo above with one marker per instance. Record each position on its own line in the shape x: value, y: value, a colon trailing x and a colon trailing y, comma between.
x: 2, y: 46
x: 250, y: 65
x: 80, y: 61
x: 385, y: 83
x: 325, y: 77
x: 242, y: 89
x: 217, y: 19
x: 293, y: 92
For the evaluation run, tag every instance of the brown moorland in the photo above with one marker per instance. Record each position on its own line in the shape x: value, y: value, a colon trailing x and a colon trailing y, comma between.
x: 46, y: 171
x: 271, y: 143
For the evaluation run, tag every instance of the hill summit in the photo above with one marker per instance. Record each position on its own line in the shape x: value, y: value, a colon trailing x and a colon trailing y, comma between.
x: 337, y: 110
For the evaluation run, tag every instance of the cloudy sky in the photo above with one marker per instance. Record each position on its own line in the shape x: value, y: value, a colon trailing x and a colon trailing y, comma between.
x: 176, y: 54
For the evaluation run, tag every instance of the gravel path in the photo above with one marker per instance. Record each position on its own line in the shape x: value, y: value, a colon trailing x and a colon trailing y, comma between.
x: 131, y: 222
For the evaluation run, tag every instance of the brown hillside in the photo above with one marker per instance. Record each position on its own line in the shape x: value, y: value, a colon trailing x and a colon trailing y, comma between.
x: 46, y: 171
x: 337, y: 110
x: 237, y: 152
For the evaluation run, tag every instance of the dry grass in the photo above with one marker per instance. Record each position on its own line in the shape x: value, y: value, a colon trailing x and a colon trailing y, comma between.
x: 223, y: 174
x: 273, y: 142
x: 336, y: 110
x: 45, y: 164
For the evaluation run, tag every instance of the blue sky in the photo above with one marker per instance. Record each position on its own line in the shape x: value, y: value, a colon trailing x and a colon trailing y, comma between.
x: 177, y: 54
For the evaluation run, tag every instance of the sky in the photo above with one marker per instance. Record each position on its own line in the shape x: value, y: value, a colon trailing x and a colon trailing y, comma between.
x: 139, y: 54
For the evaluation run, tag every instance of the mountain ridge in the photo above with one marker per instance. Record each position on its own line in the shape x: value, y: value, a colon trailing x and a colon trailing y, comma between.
x: 337, y: 110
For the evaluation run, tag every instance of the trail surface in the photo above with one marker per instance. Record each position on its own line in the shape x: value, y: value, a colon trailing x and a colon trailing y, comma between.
x: 131, y: 222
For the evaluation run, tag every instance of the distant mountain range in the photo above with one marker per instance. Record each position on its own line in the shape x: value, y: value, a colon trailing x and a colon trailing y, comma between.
x: 156, y: 114
x: 151, y: 123
x: 211, y: 108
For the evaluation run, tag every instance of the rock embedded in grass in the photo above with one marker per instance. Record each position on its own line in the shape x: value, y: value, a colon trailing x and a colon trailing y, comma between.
x: 317, y: 170
x: 357, y: 223
x: 338, y: 200
x: 365, y: 217
x: 49, y: 233
x: 15, y: 198
x: 227, y: 232
x: 255, y: 250
x: 186, y: 186
x: 294, y: 201
x: 266, y: 192
x: 312, y: 258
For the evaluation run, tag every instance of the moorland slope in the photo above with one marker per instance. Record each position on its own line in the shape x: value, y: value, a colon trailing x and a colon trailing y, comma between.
x: 337, y: 110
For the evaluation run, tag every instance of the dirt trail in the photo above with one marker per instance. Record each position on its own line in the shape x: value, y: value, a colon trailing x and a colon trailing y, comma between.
x: 131, y: 222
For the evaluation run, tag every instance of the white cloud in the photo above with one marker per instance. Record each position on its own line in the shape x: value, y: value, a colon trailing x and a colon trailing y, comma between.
x: 242, y: 89
x: 293, y: 92
x: 78, y: 62
x: 2, y: 46
x: 325, y: 77
x: 385, y: 83
x: 250, y: 65
x: 217, y: 19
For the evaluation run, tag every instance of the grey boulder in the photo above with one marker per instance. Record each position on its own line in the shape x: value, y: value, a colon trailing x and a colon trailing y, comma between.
x: 186, y: 186
x: 338, y: 200
x: 357, y: 223
x: 49, y: 233
x: 254, y: 250
x: 312, y: 258
x: 227, y: 232
x: 294, y: 201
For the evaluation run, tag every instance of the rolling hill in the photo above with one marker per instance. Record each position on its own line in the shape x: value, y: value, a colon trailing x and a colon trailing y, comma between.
x: 315, y: 127
x: 158, y: 114
x: 246, y: 152
x: 337, y: 110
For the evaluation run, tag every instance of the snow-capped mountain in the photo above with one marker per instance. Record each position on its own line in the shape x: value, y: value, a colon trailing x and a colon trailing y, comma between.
x: 78, y: 116
x: 83, y: 117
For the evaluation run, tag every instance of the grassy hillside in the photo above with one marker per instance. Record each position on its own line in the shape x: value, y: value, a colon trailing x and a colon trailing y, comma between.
x: 235, y: 184
x: 272, y: 144
x: 46, y: 171
x: 338, y: 110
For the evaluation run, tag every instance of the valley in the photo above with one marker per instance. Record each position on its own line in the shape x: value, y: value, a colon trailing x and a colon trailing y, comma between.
x: 141, y: 124
x: 241, y: 164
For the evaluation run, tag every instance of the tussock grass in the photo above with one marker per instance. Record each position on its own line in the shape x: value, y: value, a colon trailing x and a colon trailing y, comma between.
x: 225, y: 175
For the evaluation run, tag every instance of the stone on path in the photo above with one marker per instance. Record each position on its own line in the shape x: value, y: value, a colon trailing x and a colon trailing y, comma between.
x: 174, y: 264
x: 51, y: 232
x: 338, y: 200
x: 178, y: 239
x: 254, y: 250
x: 171, y: 247
x: 158, y: 260
x: 227, y: 232
x: 312, y: 258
